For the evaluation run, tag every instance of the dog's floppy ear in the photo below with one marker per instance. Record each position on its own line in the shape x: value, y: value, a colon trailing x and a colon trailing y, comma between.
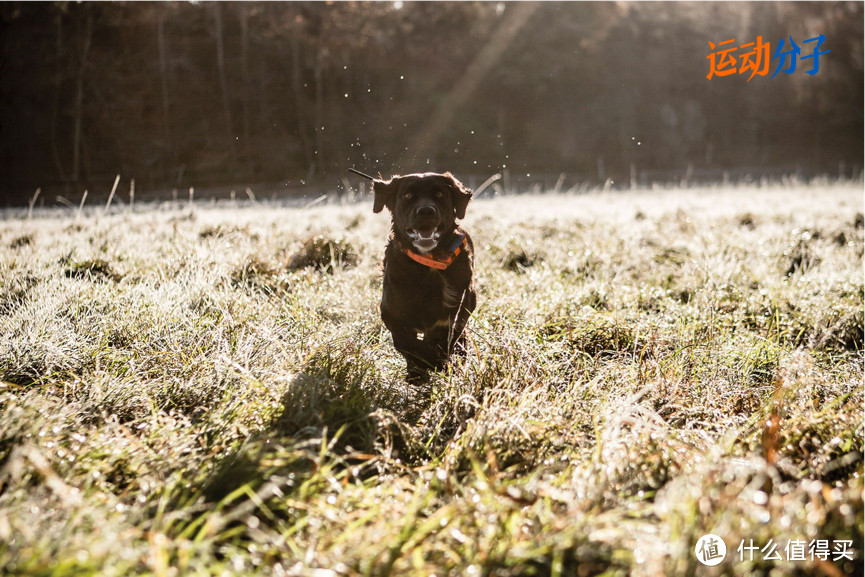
x: 460, y: 196
x: 385, y: 192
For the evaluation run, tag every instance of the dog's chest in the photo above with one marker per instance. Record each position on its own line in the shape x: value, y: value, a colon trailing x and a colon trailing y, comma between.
x: 423, y: 300
x: 435, y: 288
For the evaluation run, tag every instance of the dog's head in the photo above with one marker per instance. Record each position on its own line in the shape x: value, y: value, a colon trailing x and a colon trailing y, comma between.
x: 423, y: 206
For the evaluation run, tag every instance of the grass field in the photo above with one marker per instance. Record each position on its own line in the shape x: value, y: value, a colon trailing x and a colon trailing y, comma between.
x: 209, y: 390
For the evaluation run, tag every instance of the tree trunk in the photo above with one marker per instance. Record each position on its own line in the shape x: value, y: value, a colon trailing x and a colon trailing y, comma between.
x: 319, y: 110
x: 55, y: 109
x: 79, y: 99
x: 223, y: 82
x: 244, y: 70
x: 300, y: 108
x: 163, y: 75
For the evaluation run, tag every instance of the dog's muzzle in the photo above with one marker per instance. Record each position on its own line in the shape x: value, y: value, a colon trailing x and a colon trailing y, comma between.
x: 424, y: 232
x: 424, y: 240
x: 426, y: 212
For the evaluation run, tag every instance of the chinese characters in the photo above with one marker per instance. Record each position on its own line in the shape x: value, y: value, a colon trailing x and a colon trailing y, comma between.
x: 710, y: 550
x: 753, y: 58
x: 798, y: 550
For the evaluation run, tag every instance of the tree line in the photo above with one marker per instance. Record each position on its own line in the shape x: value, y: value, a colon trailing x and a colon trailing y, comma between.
x: 178, y: 94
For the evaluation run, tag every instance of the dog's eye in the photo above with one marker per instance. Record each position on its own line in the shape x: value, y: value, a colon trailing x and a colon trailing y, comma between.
x: 439, y: 194
x: 407, y: 195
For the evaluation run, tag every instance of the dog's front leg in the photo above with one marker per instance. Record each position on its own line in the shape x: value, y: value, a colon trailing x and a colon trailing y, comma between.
x: 419, y: 356
x: 437, y: 339
x: 457, y: 343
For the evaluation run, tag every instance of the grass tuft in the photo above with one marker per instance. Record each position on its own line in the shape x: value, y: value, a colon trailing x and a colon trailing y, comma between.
x: 323, y: 254
x: 94, y: 270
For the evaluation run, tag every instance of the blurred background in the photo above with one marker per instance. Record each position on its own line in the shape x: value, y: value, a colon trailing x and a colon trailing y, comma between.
x: 281, y: 98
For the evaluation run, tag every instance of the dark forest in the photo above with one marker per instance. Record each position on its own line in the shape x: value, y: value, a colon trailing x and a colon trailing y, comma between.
x: 279, y: 96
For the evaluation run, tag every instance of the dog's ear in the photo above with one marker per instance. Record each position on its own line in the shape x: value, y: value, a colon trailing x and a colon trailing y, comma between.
x: 385, y: 192
x: 460, y: 195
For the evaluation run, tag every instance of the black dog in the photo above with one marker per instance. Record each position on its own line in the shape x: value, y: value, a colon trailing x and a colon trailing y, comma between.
x: 428, y: 294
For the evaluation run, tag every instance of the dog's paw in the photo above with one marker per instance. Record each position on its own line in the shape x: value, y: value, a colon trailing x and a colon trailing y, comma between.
x: 417, y: 375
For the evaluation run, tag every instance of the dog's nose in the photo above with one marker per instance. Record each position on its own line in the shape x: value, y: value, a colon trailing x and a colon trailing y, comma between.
x: 426, y: 211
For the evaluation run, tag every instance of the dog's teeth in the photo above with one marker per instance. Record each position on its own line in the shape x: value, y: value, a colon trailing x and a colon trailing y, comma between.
x: 418, y: 235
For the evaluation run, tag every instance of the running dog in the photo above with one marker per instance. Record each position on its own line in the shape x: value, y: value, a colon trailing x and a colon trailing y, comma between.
x: 428, y: 293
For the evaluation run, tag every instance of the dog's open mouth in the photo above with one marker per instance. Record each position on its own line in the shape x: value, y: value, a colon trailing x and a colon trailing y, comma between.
x: 424, y: 239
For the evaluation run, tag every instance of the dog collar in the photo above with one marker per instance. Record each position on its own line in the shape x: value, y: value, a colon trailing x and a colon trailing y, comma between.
x: 438, y: 263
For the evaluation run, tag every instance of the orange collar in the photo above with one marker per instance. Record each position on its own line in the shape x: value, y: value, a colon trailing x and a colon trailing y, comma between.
x: 438, y: 263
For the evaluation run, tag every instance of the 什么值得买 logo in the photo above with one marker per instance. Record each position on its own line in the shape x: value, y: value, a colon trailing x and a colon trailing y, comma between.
x: 726, y: 58
x: 712, y: 550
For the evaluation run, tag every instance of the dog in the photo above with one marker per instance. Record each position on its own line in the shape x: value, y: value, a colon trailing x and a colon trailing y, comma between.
x: 427, y: 294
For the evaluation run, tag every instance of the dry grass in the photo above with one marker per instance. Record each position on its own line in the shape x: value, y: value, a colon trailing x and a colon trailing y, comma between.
x: 210, y: 391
